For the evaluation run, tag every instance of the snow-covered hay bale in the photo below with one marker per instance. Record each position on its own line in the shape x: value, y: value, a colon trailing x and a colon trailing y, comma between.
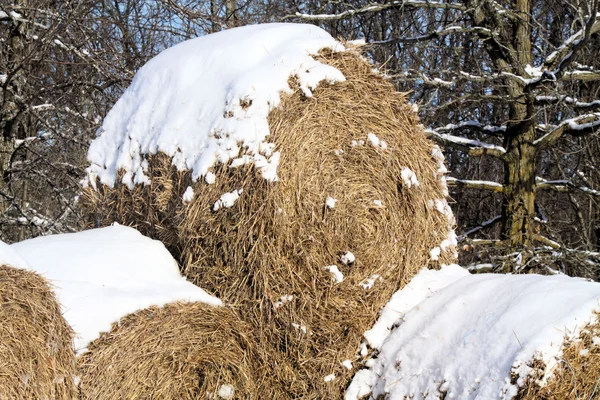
x: 575, y: 375
x: 37, y: 360
x: 302, y: 189
x: 101, y: 275
x: 179, y: 351
x: 483, y: 336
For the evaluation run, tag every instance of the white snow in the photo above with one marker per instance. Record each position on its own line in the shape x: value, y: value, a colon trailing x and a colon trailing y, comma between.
x: 188, y: 195
x: 347, y: 364
x: 210, y: 178
x: 347, y: 258
x: 226, y: 391
x: 227, y: 200
x: 330, y: 202
x: 101, y: 275
x: 376, y: 142
x: 423, y: 285
x: 300, y: 327
x: 337, y: 276
x: 329, y: 378
x: 369, y: 282
x: 361, y: 385
x: 408, y: 177
x: 8, y: 256
x: 205, y: 101
x: 534, y: 72
x: 466, y: 334
x: 286, y: 298
x: 435, y: 253
x: 466, y: 141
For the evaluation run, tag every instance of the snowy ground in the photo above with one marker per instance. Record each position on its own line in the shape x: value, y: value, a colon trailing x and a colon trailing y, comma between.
x: 464, y: 335
x: 101, y: 275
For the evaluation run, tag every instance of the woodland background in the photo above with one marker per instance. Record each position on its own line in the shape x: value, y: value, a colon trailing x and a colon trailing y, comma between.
x: 509, y: 89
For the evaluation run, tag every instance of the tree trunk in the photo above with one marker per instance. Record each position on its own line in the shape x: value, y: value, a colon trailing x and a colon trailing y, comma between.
x: 518, y: 208
x: 231, y: 13
x: 7, y: 147
x: 214, y: 15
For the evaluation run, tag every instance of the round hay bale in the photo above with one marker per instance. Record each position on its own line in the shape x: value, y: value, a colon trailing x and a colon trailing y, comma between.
x: 179, y: 351
x: 575, y: 376
x: 37, y: 360
x: 276, y: 252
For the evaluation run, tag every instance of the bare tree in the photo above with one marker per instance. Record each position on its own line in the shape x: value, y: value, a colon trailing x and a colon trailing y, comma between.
x: 501, y: 82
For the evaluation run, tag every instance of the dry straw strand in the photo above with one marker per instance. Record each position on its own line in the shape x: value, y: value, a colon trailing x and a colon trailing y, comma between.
x: 179, y: 351
x: 37, y: 360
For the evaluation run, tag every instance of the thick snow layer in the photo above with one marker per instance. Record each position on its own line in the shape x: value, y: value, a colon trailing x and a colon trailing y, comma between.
x: 423, y: 285
x: 8, y: 256
x: 206, y: 101
x: 465, y: 336
x: 103, y: 274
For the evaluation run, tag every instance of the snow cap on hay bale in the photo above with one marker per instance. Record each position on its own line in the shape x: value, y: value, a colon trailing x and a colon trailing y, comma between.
x: 179, y: 351
x: 286, y: 176
x: 104, y: 274
x: 483, y: 336
x: 36, y: 354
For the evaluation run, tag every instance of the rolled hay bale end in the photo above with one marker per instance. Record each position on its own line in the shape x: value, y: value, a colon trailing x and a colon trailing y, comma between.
x: 179, y: 351
x: 357, y: 206
x: 576, y: 373
x: 37, y: 360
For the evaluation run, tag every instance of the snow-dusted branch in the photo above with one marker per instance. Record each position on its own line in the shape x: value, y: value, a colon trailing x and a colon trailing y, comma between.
x: 568, y: 100
x: 564, y: 185
x: 472, y: 147
x: 471, y: 184
x: 479, y: 227
x: 546, y: 241
x: 449, y: 30
x: 566, y: 50
x: 577, y: 126
x: 584, y: 76
x: 556, y: 64
x: 459, y: 76
x: 377, y: 7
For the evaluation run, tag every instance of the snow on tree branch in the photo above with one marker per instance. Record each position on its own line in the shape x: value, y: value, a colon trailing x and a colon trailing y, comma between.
x: 479, y: 227
x: 584, y: 76
x: 564, y: 185
x: 471, y: 184
x: 437, y: 34
x: 470, y: 146
x: 555, y: 65
x: 376, y: 7
x: 577, y: 126
x: 568, y: 100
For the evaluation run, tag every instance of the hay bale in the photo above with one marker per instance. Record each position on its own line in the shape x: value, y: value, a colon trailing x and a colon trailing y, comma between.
x: 37, y: 360
x: 179, y: 351
x: 575, y: 376
x: 268, y: 253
